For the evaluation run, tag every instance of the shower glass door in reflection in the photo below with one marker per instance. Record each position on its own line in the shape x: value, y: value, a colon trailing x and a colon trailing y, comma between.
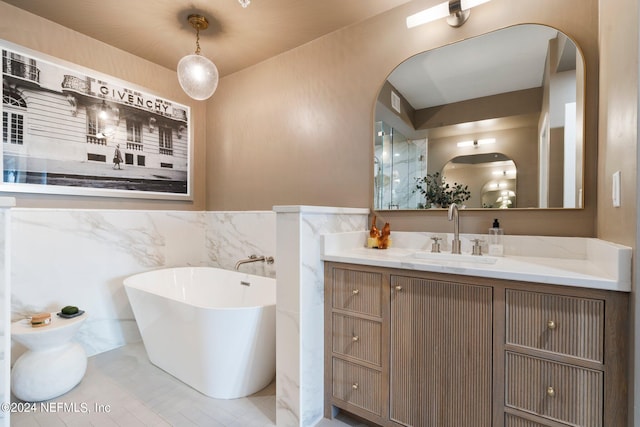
x: 397, y: 163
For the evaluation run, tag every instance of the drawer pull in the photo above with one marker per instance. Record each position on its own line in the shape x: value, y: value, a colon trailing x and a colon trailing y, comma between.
x: 354, y: 386
x: 551, y: 324
x: 355, y: 338
x: 551, y: 392
x: 355, y: 292
x: 398, y: 288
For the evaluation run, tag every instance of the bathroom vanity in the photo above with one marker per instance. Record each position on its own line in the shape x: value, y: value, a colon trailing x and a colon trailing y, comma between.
x: 438, y: 342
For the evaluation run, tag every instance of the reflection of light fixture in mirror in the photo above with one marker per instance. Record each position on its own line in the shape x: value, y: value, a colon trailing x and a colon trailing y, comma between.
x: 244, y: 3
x: 476, y: 142
x: 504, y: 172
x: 197, y: 75
x: 504, y: 201
x: 456, y: 12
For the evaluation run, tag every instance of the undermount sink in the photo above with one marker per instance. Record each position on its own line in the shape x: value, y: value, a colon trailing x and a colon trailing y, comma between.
x: 449, y: 257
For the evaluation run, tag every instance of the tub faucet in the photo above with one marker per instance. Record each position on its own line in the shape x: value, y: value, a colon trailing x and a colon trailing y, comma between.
x: 254, y: 258
x: 455, y: 217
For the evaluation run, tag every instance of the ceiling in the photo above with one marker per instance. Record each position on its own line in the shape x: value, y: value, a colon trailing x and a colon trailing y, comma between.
x: 237, y: 37
x: 157, y: 30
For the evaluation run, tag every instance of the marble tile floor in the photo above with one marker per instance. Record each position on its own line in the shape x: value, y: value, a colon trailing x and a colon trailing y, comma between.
x: 122, y: 388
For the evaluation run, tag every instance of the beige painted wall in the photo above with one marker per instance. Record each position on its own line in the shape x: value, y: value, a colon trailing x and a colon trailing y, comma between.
x: 618, y: 125
x: 33, y: 32
x: 298, y: 128
x: 618, y: 136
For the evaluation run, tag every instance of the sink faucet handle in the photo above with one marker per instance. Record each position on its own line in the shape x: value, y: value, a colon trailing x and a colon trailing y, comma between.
x: 435, y: 246
x: 477, y: 248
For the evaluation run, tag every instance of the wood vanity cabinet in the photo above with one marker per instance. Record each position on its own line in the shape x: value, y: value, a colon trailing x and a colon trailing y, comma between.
x: 409, y: 348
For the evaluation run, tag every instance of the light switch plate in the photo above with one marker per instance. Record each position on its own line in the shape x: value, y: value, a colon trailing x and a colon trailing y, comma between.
x: 615, y: 190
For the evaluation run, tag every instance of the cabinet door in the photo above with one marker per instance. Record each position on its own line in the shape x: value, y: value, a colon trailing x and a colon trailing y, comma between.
x: 441, y: 353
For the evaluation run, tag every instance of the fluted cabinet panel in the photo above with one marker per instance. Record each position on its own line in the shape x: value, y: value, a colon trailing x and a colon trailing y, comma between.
x: 441, y: 353
x: 514, y: 421
x: 557, y: 391
x: 357, y: 385
x: 357, y: 291
x: 560, y: 324
x: 359, y: 338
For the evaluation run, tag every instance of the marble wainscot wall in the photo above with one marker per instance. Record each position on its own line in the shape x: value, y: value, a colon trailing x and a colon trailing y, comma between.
x: 80, y: 257
x: 5, y: 306
x: 300, y: 307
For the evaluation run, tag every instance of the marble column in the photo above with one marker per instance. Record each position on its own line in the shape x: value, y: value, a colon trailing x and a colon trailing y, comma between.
x: 299, y: 310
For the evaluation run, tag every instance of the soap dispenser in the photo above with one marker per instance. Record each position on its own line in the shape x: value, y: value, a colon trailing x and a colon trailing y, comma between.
x: 496, y: 246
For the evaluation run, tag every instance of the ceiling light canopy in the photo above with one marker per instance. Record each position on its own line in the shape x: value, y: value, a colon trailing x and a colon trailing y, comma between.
x: 456, y: 11
x: 198, y: 76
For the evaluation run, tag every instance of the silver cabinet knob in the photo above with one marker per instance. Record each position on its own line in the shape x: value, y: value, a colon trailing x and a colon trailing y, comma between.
x: 551, y: 391
x: 398, y: 288
x: 551, y: 324
x: 354, y: 386
x: 355, y: 338
x: 355, y: 292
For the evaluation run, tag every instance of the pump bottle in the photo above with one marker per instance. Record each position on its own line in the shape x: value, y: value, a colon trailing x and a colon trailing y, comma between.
x: 496, y: 245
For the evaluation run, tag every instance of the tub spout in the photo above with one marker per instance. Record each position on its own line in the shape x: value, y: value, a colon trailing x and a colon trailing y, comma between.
x: 254, y: 258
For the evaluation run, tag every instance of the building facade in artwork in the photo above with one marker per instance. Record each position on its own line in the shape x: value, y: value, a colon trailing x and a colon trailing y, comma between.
x: 59, y: 122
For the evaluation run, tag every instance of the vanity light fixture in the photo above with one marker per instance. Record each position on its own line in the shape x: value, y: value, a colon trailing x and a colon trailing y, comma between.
x: 456, y: 11
x: 198, y: 76
x: 476, y: 143
x: 244, y: 3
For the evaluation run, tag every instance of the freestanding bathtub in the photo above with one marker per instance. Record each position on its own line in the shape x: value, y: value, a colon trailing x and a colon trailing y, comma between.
x: 213, y: 329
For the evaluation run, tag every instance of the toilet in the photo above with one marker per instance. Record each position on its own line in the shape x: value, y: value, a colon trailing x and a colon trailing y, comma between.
x: 53, y: 364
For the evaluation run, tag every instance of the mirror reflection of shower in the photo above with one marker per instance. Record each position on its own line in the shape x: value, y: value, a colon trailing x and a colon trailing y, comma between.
x: 397, y: 162
x: 377, y: 177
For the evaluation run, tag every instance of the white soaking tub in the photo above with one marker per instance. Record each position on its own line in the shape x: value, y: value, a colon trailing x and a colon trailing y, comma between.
x: 213, y: 329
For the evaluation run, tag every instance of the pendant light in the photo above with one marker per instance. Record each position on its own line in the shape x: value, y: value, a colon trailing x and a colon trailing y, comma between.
x: 197, y: 75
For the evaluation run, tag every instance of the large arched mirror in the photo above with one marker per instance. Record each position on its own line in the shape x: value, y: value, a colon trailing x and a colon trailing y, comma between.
x: 495, y: 121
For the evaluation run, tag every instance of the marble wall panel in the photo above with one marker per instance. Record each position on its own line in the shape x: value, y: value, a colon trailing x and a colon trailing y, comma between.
x: 300, y: 311
x: 80, y: 257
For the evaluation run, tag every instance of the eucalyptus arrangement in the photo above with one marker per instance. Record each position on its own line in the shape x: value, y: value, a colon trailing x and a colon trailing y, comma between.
x: 438, y: 194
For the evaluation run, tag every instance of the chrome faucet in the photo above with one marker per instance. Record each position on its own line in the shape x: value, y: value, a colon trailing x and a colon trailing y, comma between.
x: 254, y: 258
x: 455, y: 217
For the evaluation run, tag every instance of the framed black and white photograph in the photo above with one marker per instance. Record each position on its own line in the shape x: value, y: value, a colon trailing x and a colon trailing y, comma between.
x: 68, y: 130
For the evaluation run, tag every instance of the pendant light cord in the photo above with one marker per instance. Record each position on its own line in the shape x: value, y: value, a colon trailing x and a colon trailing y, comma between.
x: 197, y: 40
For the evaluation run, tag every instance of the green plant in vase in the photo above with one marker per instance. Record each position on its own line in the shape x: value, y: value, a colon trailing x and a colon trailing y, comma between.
x: 438, y: 194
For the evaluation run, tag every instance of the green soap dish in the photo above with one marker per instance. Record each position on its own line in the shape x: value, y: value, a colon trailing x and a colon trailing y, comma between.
x: 69, y: 316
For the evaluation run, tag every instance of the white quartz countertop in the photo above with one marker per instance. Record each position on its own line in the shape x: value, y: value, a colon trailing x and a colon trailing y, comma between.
x: 569, y: 261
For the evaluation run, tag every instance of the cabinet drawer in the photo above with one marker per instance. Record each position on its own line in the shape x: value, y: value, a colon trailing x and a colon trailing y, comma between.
x: 357, y: 385
x: 357, y: 291
x: 511, y: 420
x: 553, y: 390
x: 560, y: 324
x: 359, y: 338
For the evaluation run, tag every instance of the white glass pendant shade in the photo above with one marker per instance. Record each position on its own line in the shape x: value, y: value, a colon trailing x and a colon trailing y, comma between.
x: 198, y: 76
